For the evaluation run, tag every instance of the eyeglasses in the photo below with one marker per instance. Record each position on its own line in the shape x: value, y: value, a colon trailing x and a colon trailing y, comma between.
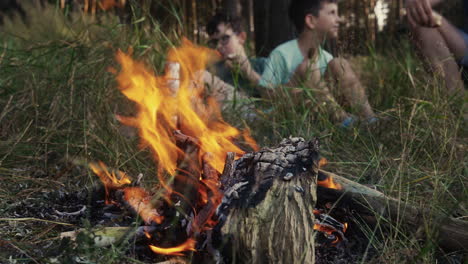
x: 224, y: 39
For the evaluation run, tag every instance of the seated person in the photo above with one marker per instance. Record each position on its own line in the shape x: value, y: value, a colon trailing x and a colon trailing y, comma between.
x: 227, y: 36
x: 303, y: 61
x: 224, y: 78
x: 439, y: 41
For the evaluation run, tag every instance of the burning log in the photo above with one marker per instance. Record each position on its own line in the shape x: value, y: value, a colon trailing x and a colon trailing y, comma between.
x: 452, y: 233
x: 267, y: 209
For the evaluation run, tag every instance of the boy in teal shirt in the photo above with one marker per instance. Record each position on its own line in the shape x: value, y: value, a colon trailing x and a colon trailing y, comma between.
x: 303, y: 61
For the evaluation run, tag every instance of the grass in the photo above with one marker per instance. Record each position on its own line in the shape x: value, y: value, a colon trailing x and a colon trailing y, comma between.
x: 58, y: 102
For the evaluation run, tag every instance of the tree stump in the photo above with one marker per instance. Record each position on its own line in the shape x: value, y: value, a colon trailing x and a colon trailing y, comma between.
x: 267, y: 211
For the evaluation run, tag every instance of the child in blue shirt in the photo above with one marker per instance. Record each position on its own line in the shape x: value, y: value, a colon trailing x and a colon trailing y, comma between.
x: 302, y: 61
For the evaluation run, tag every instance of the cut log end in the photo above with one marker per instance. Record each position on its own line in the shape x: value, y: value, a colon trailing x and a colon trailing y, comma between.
x: 270, y: 196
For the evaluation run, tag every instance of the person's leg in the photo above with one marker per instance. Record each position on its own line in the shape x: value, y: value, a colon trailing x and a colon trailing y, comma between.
x: 309, y: 76
x: 350, y: 87
x: 441, y: 46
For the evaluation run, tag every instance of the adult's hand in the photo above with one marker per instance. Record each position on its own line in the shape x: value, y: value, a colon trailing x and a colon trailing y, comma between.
x: 420, y: 12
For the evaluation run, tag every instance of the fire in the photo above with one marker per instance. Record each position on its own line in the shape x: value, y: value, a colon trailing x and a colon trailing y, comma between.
x: 322, y: 162
x: 111, y: 180
x: 327, y: 230
x: 158, y: 106
x: 140, y: 200
x: 331, y: 231
x: 329, y: 183
x: 188, y: 245
x: 332, y: 228
x: 163, y: 109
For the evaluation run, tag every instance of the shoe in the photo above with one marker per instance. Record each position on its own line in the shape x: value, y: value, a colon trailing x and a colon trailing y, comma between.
x: 372, y: 120
x: 348, y: 122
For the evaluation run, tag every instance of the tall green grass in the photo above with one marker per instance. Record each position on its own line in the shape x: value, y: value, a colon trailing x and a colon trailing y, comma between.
x: 58, y: 104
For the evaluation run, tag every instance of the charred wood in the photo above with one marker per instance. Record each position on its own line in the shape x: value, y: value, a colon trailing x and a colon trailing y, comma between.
x: 268, y: 203
x: 372, y: 204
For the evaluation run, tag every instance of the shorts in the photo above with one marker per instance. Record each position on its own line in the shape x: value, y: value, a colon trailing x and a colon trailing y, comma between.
x: 464, y: 60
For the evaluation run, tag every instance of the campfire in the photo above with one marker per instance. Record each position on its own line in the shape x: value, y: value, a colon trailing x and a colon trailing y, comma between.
x: 219, y: 198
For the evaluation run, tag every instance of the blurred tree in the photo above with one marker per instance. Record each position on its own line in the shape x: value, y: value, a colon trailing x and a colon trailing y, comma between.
x: 10, y: 8
x: 272, y: 25
x: 233, y: 7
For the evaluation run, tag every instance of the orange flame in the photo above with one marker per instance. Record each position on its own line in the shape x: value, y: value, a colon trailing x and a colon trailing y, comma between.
x: 158, y: 106
x: 111, y: 180
x: 140, y: 200
x: 187, y: 245
x: 329, y: 230
x: 329, y: 183
x: 322, y: 162
x: 162, y: 109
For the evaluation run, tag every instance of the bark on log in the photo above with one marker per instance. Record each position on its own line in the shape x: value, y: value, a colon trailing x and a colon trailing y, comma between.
x: 452, y: 233
x: 272, y: 219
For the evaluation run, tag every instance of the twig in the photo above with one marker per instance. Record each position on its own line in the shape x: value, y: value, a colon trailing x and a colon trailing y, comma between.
x: 35, y: 219
x: 22, y: 251
x: 228, y: 169
x: 19, y: 139
x: 184, y: 139
x: 79, y: 212
x: 102, y: 237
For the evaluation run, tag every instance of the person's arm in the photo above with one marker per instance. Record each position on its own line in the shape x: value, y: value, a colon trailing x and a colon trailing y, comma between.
x: 241, y: 60
x: 248, y: 72
x: 272, y: 76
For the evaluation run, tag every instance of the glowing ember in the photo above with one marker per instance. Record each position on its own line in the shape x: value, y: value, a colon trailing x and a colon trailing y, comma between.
x: 322, y: 162
x: 331, y: 231
x: 332, y: 228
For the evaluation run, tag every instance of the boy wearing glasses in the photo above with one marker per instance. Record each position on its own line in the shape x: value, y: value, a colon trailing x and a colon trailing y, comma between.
x: 226, y: 79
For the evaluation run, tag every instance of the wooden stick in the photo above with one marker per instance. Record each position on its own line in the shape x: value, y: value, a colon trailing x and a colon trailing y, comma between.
x: 452, y: 233
x: 103, y: 237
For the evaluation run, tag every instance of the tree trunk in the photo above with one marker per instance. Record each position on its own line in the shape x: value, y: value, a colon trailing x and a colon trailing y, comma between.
x: 233, y: 7
x: 272, y: 25
x: 279, y: 229
x: 268, y: 205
